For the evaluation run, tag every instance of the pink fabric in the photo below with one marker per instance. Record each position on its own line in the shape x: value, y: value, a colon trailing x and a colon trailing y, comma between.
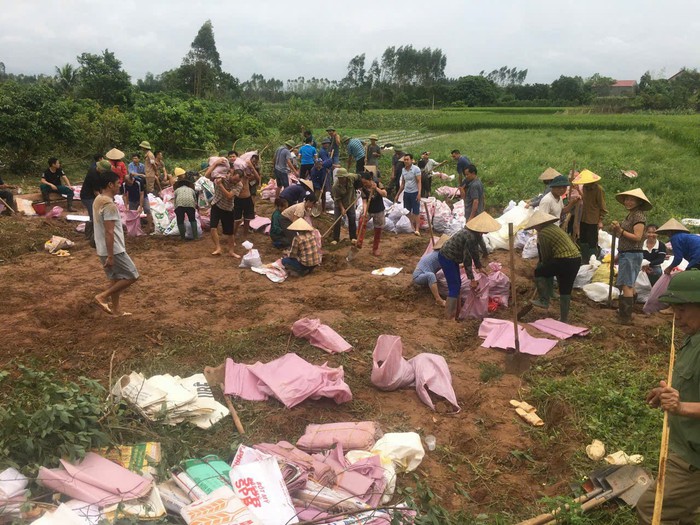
x: 205, y: 221
x: 132, y: 219
x: 350, y: 435
x: 475, y: 303
x: 290, y: 379
x: 268, y: 192
x: 389, y: 369
x: 241, y: 382
x: 55, y: 213
x: 317, y: 470
x: 220, y: 171
x: 447, y: 191
x: 259, y: 222
x: 433, y: 375
x: 442, y: 284
x: 653, y: 304
x: 320, y: 335
x: 429, y: 248
x: 558, y: 329
x: 499, y: 333
x: 500, y: 284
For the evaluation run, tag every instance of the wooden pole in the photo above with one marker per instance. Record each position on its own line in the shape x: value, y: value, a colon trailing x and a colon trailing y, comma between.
x: 611, y: 278
x: 340, y: 217
x: 232, y: 410
x: 513, y: 290
x: 12, y: 212
x: 665, y: 432
x: 430, y: 224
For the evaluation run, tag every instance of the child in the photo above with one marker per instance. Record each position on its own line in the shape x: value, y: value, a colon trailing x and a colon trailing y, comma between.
x: 132, y: 193
x: 185, y: 203
x: 276, y: 231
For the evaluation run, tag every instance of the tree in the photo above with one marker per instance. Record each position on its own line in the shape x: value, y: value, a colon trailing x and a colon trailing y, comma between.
x: 568, y: 89
x: 356, y: 72
x: 475, y: 90
x: 67, y: 78
x: 202, y: 64
x: 102, y: 78
x: 506, y: 77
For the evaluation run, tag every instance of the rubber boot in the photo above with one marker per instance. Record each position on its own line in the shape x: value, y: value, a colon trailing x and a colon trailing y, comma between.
x: 181, y: 229
x: 542, y: 284
x: 69, y: 200
x: 551, y: 289
x: 564, y: 303
x: 451, y: 308
x: 195, y: 233
x: 625, y: 310
x: 375, y: 243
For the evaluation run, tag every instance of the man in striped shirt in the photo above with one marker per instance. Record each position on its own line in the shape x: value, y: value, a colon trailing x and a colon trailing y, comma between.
x: 356, y: 151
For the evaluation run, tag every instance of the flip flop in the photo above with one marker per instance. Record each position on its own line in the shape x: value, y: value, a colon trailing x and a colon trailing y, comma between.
x: 103, y: 306
x: 216, y: 254
x: 124, y: 314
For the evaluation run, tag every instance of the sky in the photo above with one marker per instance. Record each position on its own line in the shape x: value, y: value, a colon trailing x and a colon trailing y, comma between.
x: 615, y: 38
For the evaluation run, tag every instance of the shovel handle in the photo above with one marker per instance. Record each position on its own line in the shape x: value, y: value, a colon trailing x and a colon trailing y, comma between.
x: 232, y: 410
x: 340, y: 217
x: 611, y: 278
x: 544, y: 519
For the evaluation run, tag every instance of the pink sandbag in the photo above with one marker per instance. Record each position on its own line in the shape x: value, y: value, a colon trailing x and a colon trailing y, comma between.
x: 442, y: 284
x: 290, y: 454
x: 653, y: 304
x: 268, y: 192
x: 320, y: 335
x: 389, y: 369
x: 204, y: 220
x: 500, y: 284
x: 351, y: 435
x: 433, y: 375
x: 55, y: 213
x: 132, y: 219
x: 475, y: 303
x: 221, y: 170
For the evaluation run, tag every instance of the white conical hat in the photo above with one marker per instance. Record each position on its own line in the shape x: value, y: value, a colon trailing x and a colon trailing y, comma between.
x: 483, y: 223
x: 540, y: 218
x: 646, y: 204
x: 300, y: 225
x: 672, y: 225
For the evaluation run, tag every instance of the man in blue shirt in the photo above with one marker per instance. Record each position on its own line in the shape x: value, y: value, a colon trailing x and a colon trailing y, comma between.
x: 283, y: 165
x: 308, y: 157
x: 462, y: 163
x: 295, y: 193
x: 684, y: 244
x: 356, y: 151
x: 472, y: 191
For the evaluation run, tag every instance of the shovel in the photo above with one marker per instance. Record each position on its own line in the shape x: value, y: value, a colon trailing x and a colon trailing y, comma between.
x: 516, y: 363
x: 528, y: 307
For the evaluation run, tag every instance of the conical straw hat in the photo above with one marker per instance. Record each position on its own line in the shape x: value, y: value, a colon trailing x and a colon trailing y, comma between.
x: 586, y: 177
x: 179, y: 172
x: 300, y: 225
x: 114, y: 154
x: 637, y: 192
x: 540, y: 218
x: 671, y: 226
x: 441, y: 241
x: 483, y: 223
x: 308, y: 184
x: 549, y: 174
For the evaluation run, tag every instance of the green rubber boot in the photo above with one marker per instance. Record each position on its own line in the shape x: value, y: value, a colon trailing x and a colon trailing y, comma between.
x: 564, y: 303
x: 451, y: 308
x: 195, y: 233
x: 543, y: 290
x: 550, y: 286
x: 181, y: 229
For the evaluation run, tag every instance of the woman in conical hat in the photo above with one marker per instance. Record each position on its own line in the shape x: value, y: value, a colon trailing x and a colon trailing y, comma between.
x: 592, y: 213
x: 685, y: 245
x: 630, y: 247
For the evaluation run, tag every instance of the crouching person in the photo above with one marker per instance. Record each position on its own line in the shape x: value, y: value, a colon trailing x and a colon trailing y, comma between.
x: 304, y: 254
x: 428, y: 266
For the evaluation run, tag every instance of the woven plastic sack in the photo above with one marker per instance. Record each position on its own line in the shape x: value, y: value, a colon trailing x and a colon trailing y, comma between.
x: 653, y: 304
x: 598, y: 292
x: 320, y: 335
x: 433, y: 375
x: 351, y: 435
x: 476, y: 302
x: 403, y: 225
x: 132, y: 219
x: 499, y: 288
x: 389, y: 368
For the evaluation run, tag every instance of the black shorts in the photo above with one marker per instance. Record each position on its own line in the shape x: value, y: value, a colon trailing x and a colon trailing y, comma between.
x: 305, y: 170
x: 243, y: 208
x: 226, y: 218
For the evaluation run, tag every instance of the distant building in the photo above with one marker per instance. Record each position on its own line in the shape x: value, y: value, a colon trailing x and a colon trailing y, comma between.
x: 624, y: 88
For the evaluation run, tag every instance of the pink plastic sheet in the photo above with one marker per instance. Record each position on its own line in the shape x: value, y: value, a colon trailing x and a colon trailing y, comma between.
x: 499, y: 333
x: 500, y: 284
x: 475, y: 303
x: 433, y: 375
x: 320, y: 335
x: 448, y: 191
x: 132, y: 219
x: 259, y: 222
x: 289, y: 379
x: 390, y: 370
x: 653, y: 304
x: 55, y: 213
x: 558, y: 329
x: 317, y: 470
x: 360, y: 435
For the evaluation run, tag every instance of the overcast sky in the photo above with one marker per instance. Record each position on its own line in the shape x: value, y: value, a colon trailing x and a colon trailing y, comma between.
x: 616, y: 38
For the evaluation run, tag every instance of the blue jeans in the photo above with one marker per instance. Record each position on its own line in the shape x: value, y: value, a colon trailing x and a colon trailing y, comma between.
x: 294, y: 265
x: 423, y: 278
x: 628, y: 266
x: 452, y: 274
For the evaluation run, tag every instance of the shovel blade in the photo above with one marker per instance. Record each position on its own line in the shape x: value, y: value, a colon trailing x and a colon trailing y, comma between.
x: 635, y: 478
x: 517, y: 363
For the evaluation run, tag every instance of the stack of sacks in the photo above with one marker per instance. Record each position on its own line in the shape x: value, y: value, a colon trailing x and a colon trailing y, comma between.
x: 13, y: 493
x: 171, y: 398
x: 517, y: 215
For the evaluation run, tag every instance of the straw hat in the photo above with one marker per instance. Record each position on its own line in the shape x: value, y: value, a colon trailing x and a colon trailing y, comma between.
x: 586, y: 177
x: 672, y: 226
x: 145, y: 145
x: 373, y: 137
x: 300, y: 225
x: 441, y: 241
x: 114, y: 154
x: 179, y: 172
x: 308, y: 184
x: 646, y: 205
x: 549, y: 174
x: 540, y: 218
x: 483, y: 223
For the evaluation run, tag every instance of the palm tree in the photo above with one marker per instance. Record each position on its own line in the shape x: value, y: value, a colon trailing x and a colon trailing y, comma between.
x: 67, y: 77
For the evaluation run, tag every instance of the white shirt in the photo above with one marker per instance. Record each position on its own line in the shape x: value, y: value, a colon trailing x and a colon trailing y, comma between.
x: 552, y: 205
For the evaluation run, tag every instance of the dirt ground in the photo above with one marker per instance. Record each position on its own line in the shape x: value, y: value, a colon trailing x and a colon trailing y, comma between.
x: 48, y: 318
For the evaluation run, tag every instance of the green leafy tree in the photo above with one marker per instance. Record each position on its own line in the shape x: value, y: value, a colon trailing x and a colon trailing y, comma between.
x: 102, y: 78
x: 568, y: 89
x: 505, y: 76
x: 67, y: 78
x: 356, y: 72
x: 202, y: 65
x: 475, y: 90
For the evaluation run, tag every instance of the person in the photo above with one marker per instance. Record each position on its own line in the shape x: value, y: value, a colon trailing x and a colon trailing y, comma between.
x: 185, y: 200
x: 308, y: 156
x: 410, y: 186
x: 320, y: 176
x: 89, y: 191
x: 654, y: 253
x: 629, y: 248
x: 463, y: 247
x: 546, y: 177
x: 115, y: 157
x: 373, y: 194
x: 308, y: 134
x: 277, y: 234
x: 356, y: 152
x: 295, y: 193
x: 427, y: 268
x: 132, y: 193
x: 164, y: 179
x: 110, y: 247
x: 559, y: 257
x: 137, y: 172
x: 344, y: 197
x: 283, y: 165
x: 7, y: 195
x: 136, y: 167
x: 225, y: 190
x: 150, y: 167
x: 396, y: 169
x: 249, y: 163
x: 553, y: 202
x: 426, y: 165
x: 243, y: 206
x: 54, y: 180
x: 373, y: 152
x: 592, y: 213
x: 462, y: 163
x: 334, y: 146
x: 472, y: 191
x: 304, y: 255
x: 684, y: 245
x: 681, y: 401
x: 301, y: 210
